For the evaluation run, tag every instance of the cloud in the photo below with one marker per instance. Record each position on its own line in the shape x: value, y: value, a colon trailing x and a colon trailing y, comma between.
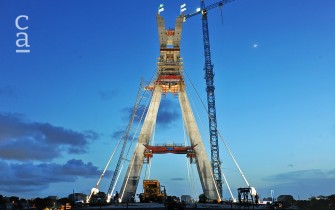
x: 7, y: 91
x: 294, y: 176
x: 302, y: 183
x: 91, y: 135
x: 23, y: 140
x: 128, y: 112
x: 168, y: 113
x: 177, y: 179
x: 28, y: 177
x: 117, y: 134
x: 107, y: 95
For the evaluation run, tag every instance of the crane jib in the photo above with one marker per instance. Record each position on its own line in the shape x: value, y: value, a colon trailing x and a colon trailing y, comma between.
x: 212, y: 6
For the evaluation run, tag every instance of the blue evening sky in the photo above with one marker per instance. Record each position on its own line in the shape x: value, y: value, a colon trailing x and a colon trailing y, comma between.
x: 63, y: 104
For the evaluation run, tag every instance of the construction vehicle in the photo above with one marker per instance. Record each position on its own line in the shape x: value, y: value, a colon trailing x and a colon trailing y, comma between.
x: 152, y: 192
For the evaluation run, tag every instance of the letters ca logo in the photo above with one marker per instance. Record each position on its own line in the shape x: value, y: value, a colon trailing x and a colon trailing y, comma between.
x: 22, y: 36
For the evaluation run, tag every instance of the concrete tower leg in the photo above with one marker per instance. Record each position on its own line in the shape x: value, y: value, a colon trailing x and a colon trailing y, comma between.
x: 132, y: 177
x: 203, y: 164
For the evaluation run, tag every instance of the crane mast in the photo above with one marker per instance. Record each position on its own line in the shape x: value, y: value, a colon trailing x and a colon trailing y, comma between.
x: 209, y: 76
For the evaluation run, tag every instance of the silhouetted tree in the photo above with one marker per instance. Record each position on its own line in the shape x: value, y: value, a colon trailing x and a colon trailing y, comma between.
x: 287, y: 200
x: 22, y: 200
x: 14, y: 199
x: 38, y: 203
x: 48, y: 202
x: 64, y: 200
x: 2, y: 202
x: 318, y: 204
x: 331, y: 200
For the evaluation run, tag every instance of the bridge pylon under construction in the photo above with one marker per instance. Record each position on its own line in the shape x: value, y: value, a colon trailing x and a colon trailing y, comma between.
x: 169, y: 79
